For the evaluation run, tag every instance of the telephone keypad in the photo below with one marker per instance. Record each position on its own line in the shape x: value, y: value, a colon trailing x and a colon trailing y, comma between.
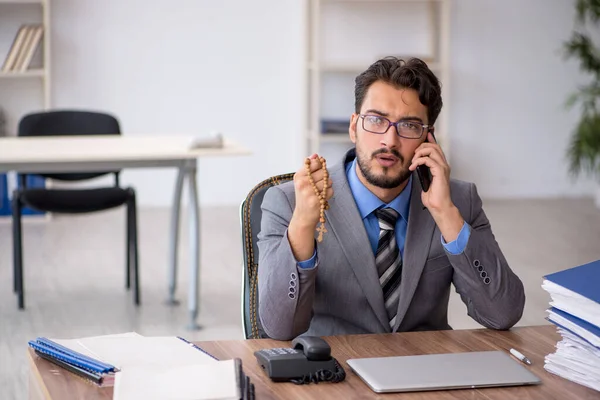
x: 280, y: 351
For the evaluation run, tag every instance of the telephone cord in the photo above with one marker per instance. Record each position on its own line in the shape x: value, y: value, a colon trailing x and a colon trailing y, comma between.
x: 323, y: 375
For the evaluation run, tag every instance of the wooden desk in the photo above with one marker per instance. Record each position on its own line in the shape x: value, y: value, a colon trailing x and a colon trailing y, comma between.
x: 109, y: 153
x: 49, y: 382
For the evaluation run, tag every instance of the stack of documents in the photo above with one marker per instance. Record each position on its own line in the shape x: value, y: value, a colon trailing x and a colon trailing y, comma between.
x: 142, y: 367
x: 575, y: 310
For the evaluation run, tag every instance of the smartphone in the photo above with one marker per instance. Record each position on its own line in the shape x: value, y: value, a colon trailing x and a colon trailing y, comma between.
x: 424, y: 173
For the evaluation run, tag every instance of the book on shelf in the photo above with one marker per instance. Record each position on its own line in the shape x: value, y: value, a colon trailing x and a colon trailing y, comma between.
x: 15, y: 48
x: 334, y: 126
x: 5, y: 208
x: 23, y: 48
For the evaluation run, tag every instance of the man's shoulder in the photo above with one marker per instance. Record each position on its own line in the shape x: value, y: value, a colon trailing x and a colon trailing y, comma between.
x: 277, y: 192
x: 286, y: 187
x: 462, y: 192
x: 460, y: 185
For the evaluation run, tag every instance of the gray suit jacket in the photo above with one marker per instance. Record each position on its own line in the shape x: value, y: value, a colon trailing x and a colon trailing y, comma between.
x: 342, y: 295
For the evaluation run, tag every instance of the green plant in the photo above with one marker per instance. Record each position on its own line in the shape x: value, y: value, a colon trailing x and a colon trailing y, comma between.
x: 583, y: 151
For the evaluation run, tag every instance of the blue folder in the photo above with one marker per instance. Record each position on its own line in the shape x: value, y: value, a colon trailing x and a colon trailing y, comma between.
x: 591, y: 328
x: 52, y: 349
x: 4, y: 200
x: 33, y: 181
x: 583, y: 280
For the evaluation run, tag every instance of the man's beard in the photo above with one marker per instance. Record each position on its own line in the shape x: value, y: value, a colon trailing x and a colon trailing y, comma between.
x: 383, y: 181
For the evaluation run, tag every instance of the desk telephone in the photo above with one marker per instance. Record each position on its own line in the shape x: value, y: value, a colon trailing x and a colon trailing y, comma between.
x: 308, y: 361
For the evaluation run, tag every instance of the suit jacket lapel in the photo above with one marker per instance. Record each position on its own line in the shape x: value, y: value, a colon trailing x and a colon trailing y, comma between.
x: 416, y: 248
x: 347, y: 225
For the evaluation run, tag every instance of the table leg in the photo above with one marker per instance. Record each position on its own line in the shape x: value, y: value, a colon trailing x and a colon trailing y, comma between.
x: 194, y: 295
x: 174, y: 236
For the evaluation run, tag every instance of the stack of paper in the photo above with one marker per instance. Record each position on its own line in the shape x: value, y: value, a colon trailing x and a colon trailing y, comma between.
x: 157, y: 367
x: 214, y: 141
x: 575, y: 309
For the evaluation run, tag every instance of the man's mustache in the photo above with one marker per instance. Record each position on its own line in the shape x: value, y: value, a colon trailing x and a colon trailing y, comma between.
x: 394, y: 152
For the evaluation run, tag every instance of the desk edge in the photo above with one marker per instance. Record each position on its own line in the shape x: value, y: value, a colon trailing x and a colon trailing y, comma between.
x: 38, y: 377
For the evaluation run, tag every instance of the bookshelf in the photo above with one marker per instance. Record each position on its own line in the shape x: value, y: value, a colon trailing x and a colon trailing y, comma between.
x: 345, y: 36
x: 24, y: 75
x: 32, y: 73
x: 32, y: 50
x: 22, y: 1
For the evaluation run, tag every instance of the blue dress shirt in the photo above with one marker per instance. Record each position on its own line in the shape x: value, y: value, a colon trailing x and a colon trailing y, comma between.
x: 367, y: 203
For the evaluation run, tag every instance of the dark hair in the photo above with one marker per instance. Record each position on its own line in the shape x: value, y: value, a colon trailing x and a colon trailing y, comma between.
x: 411, y: 74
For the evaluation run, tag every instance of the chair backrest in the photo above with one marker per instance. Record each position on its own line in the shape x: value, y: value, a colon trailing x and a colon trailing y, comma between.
x: 251, y: 214
x: 66, y: 123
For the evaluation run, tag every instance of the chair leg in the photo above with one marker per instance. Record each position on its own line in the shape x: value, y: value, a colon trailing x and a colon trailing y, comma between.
x: 18, y: 250
x: 128, y: 249
x: 16, y: 237
x: 133, y: 246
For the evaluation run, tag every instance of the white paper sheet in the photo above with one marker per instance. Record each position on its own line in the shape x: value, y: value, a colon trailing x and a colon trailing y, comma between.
x: 572, y: 375
x: 76, y: 344
x: 215, y: 381
x: 122, y: 352
x: 575, y: 360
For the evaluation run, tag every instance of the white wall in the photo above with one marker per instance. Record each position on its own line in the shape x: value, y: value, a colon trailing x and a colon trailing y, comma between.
x: 188, y: 67
x: 509, y: 128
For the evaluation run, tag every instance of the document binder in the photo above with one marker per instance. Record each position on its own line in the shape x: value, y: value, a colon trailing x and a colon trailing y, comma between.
x: 99, y: 379
x: 588, y: 332
x: 54, y: 350
x: 576, y: 291
x: 246, y: 387
x: 583, y: 280
x: 96, y: 371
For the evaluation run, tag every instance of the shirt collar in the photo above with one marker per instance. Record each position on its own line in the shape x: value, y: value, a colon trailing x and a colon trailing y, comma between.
x: 367, y: 202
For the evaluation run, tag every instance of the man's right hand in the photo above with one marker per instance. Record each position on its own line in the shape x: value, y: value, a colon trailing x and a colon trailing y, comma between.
x: 307, y: 212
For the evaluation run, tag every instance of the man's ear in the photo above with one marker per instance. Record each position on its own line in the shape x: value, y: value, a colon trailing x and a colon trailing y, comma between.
x: 432, y: 130
x: 352, y: 127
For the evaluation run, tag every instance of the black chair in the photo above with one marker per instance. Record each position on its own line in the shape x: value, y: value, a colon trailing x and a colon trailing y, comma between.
x: 72, y: 201
x: 251, y: 213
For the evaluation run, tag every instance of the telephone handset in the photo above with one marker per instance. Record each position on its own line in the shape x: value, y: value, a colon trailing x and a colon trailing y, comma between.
x: 308, y: 361
x: 424, y: 173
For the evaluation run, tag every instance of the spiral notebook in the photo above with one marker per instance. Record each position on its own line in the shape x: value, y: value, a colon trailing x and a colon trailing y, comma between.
x: 101, y: 373
x: 48, y: 347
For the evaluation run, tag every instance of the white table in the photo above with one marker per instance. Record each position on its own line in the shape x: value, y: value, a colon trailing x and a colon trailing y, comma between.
x: 109, y: 153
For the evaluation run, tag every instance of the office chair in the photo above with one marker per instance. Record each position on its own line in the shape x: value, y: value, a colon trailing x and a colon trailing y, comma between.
x: 72, y: 201
x: 250, y: 216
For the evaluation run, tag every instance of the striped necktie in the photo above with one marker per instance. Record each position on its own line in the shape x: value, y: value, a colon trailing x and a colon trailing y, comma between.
x: 389, y: 261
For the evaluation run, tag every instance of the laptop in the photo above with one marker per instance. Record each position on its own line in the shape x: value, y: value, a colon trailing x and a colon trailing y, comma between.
x: 442, y: 371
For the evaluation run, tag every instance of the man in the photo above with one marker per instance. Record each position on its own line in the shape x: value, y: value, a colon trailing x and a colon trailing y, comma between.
x: 391, y: 250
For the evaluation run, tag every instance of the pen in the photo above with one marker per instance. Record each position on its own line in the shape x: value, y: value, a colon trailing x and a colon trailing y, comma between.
x: 520, y: 356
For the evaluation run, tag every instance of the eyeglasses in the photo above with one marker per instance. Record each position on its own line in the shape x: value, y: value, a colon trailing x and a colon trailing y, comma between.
x: 380, y: 125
